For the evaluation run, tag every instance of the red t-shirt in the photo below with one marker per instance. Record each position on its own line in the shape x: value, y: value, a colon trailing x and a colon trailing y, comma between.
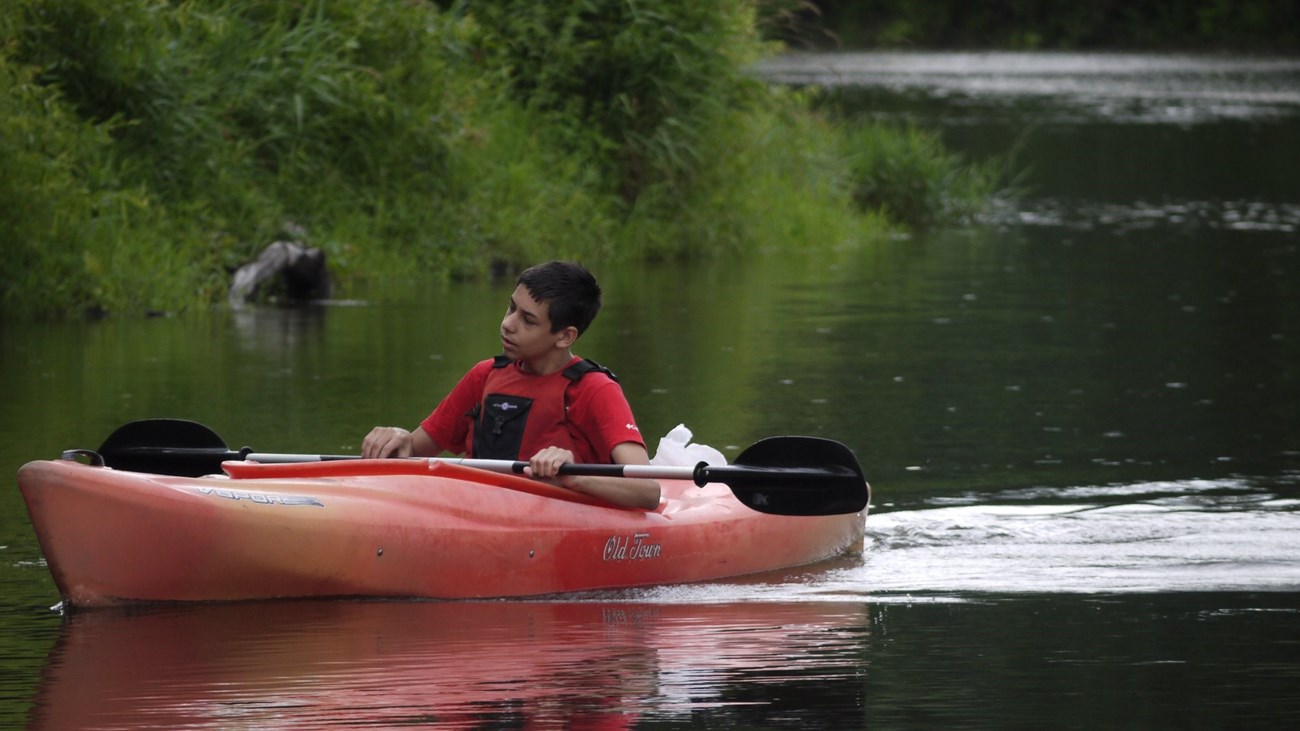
x: 598, y: 413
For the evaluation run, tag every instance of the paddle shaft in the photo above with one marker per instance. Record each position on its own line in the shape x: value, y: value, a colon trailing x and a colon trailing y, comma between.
x: 701, y: 474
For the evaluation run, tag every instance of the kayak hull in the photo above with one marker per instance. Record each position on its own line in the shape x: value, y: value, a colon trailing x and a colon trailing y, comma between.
x: 438, y: 531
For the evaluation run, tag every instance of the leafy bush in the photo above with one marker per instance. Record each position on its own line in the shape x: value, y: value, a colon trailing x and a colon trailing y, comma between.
x: 907, y: 173
x: 76, y: 235
x: 260, y: 110
x: 634, y: 87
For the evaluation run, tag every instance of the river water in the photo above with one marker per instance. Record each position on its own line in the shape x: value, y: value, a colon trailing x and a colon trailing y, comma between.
x: 1078, y: 415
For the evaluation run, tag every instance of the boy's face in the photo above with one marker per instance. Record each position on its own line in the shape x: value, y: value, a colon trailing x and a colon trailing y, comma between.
x: 526, y: 328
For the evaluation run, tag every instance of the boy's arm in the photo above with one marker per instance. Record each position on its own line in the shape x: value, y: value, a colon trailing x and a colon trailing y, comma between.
x: 626, y: 491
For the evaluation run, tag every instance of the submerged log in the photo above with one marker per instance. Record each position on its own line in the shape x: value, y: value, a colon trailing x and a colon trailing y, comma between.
x: 285, y: 268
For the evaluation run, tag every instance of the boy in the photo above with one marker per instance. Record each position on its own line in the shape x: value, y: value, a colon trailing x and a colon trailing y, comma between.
x: 537, y: 401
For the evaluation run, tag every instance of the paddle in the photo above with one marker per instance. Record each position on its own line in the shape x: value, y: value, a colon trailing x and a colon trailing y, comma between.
x: 787, y: 475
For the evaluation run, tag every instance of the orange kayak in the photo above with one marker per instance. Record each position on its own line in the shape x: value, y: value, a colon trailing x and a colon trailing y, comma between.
x: 390, y: 528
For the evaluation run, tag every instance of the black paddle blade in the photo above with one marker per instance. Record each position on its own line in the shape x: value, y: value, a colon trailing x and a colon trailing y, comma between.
x: 166, y: 447
x: 796, y: 476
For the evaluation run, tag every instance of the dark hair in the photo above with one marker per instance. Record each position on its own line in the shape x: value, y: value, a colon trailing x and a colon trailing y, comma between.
x: 570, y: 292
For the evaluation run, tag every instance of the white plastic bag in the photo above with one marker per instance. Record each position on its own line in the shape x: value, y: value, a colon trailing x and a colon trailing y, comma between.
x: 675, y: 450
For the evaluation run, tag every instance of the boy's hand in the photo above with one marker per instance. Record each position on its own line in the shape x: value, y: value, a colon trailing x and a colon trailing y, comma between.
x: 546, y: 464
x: 386, y: 441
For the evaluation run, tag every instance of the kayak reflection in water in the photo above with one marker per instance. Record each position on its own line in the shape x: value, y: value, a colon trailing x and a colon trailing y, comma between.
x: 537, y: 401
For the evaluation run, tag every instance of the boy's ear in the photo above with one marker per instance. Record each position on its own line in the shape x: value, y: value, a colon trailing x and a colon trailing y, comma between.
x: 567, y: 337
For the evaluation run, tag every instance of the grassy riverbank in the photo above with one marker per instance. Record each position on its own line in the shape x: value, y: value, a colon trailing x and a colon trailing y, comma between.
x: 150, y: 148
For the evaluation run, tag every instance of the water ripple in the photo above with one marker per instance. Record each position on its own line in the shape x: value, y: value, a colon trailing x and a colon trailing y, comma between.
x: 1183, y: 536
x: 1121, y: 218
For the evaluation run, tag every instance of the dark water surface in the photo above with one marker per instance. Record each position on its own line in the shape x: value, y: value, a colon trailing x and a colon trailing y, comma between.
x: 1079, y: 417
x: 1209, y: 661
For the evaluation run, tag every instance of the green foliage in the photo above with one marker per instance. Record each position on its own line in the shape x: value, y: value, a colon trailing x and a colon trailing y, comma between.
x: 151, y: 147
x: 908, y: 174
x: 633, y: 87
x: 774, y: 179
x: 67, y: 214
x: 263, y: 111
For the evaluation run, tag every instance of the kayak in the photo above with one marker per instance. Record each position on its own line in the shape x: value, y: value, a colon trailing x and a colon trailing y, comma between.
x: 391, y: 528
